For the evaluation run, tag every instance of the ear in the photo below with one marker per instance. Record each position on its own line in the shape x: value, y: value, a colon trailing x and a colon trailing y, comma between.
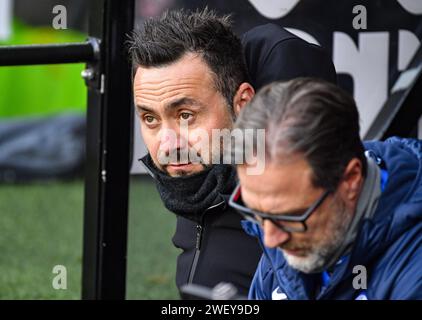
x: 244, y: 94
x: 352, y: 182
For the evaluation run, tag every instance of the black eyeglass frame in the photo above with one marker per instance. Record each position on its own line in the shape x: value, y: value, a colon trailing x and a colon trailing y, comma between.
x: 251, y: 214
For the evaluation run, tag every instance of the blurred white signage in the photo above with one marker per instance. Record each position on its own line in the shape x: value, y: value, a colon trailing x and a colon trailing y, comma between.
x: 5, y: 19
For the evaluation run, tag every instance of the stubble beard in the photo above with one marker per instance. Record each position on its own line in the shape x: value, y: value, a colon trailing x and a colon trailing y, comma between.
x: 320, y: 253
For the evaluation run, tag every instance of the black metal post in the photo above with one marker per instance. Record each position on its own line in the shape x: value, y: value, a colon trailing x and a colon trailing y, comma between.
x: 108, y: 153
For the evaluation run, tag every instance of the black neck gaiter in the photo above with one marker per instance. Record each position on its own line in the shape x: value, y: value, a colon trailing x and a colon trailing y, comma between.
x: 189, y: 196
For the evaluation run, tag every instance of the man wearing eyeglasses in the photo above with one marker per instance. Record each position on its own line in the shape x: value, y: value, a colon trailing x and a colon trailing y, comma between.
x: 327, y: 208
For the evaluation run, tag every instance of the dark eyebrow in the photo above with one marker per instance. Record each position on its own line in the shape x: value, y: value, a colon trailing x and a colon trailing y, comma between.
x: 293, y: 212
x: 183, y: 101
x: 140, y: 107
x: 173, y: 105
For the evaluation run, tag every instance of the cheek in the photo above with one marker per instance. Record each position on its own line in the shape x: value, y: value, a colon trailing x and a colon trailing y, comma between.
x: 325, y: 221
x: 202, y: 129
x: 218, y: 115
x: 151, y: 141
x: 318, y: 224
x: 215, y: 121
x: 199, y: 137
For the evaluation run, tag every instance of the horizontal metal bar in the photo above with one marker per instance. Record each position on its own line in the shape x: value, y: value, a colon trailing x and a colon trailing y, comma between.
x: 35, y: 54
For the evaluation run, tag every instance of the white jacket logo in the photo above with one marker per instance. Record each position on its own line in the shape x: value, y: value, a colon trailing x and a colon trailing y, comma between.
x: 277, y: 295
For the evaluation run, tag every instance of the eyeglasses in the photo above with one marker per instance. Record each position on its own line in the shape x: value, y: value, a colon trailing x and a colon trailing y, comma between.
x: 285, y: 222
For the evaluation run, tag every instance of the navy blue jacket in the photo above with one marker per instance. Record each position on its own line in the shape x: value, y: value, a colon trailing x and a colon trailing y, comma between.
x: 389, y: 245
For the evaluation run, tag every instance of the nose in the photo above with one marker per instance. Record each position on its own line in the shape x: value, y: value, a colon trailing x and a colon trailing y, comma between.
x: 274, y: 236
x: 170, y: 140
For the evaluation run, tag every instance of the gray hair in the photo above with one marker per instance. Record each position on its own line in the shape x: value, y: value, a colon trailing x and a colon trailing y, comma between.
x: 308, y: 116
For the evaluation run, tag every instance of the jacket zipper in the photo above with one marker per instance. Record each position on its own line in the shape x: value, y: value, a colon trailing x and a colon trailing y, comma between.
x: 199, y: 230
x: 199, y: 234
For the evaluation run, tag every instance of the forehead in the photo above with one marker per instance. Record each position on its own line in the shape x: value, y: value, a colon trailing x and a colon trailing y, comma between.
x: 189, y: 75
x: 281, y: 186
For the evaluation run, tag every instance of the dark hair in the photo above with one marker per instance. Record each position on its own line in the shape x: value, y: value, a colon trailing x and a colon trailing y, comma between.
x: 165, y: 39
x: 309, y: 116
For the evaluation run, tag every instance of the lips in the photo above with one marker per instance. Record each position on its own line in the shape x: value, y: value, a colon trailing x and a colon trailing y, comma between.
x: 295, y: 252
x: 178, y: 164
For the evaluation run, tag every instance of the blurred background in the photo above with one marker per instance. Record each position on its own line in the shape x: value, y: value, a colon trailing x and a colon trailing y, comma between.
x: 42, y: 130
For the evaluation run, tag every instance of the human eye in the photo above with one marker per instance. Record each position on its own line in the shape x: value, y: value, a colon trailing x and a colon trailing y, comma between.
x: 149, y: 120
x: 296, y: 213
x: 185, y: 116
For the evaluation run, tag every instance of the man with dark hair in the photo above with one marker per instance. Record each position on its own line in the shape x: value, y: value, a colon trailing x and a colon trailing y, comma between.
x: 189, y: 67
x: 338, y: 222
x: 190, y: 73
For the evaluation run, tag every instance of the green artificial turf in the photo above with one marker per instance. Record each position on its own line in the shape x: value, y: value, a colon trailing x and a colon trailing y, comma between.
x: 41, y: 226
